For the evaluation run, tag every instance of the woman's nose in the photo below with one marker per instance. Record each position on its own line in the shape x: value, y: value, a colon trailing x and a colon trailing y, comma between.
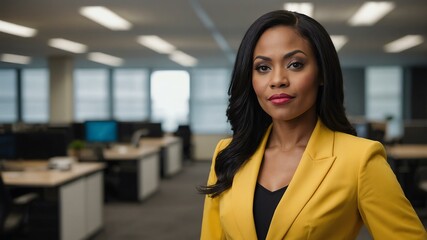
x: 279, y: 79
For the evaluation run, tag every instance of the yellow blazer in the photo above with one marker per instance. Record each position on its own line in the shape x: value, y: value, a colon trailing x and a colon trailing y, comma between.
x: 341, y: 182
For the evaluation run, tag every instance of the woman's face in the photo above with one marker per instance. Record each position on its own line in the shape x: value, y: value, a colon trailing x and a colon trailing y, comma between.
x: 285, y: 74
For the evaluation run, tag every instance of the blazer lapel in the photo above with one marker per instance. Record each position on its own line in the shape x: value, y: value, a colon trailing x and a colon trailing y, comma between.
x: 243, y: 190
x: 315, y: 163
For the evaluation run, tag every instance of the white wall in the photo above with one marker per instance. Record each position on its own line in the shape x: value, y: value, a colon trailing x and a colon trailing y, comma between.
x: 204, y: 145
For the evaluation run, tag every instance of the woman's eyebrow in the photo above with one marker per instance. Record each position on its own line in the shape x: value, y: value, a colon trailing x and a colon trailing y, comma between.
x: 262, y: 58
x: 290, y: 54
x: 287, y: 55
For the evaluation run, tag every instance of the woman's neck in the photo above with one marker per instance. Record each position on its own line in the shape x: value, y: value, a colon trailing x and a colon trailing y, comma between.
x: 290, y: 134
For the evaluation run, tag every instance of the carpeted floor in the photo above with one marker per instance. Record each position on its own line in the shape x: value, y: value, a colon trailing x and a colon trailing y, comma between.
x: 174, y: 212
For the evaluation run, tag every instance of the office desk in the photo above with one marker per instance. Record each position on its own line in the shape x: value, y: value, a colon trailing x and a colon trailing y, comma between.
x: 407, y: 151
x: 71, y: 202
x: 134, y: 172
x: 171, y: 153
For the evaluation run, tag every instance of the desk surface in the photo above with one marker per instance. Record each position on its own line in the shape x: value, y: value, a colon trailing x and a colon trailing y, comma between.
x: 37, y: 174
x: 127, y: 152
x: 161, y: 142
x: 407, y: 151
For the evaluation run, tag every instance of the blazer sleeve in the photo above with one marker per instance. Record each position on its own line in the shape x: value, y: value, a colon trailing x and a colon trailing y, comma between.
x: 211, y: 226
x: 385, y: 210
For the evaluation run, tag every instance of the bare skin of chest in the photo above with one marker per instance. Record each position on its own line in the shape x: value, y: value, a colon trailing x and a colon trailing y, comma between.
x: 279, y: 166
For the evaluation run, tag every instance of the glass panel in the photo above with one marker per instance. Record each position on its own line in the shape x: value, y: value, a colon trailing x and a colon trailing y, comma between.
x: 91, y: 94
x: 384, y: 97
x: 35, y: 95
x: 209, y: 100
x: 8, y: 96
x: 131, y: 94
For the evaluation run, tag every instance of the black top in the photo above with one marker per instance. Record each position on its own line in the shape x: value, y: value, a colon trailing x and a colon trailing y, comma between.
x: 265, y: 202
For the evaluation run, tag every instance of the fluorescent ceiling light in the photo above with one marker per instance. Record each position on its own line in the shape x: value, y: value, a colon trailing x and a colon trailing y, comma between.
x: 339, y: 41
x: 105, y: 59
x: 13, y: 58
x: 157, y: 44
x: 403, y: 43
x: 105, y: 17
x: 370, y: 13
x: 304, y: 8
x: 183, y: 59
x: 16, y: 29
x: 67, y: 45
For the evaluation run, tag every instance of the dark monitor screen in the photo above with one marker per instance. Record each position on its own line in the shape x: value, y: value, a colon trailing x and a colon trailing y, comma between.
x: 7, y: 146
x: 127, y: 129
x: 41, y: 144
x: 155, y: 129
x: 415, y: 134
x: 101, y: 131
x: 78, y: 131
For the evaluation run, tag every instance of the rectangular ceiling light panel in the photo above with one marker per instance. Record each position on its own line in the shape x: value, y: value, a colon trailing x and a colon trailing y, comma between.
x: 105, y: 59
x: 16, y: 29
x: 183, y: 59
x: 370, y: 13
x: 304, y: 8
x: 157, y: 44
x: 105, y: 17
x: 339, y: 41
x: 13, y: 58
x: 67, y: 45
x: 403, y: 43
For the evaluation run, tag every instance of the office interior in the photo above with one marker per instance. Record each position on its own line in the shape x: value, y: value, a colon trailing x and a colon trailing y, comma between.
x: 109, y: 126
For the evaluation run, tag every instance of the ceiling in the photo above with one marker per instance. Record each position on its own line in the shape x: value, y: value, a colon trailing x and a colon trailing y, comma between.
x: 179, y: 22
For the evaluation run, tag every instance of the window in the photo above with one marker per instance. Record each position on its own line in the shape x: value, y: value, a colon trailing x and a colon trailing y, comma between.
x: 209, y: 100
x: 8, y: 98
x: 384, y: 97
x: 91, y: 94
x: 35, y: 95
x: 170, y: 93
x: 131, y: 95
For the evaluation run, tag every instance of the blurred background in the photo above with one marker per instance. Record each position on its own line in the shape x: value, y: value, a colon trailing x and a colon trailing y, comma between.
x: 138, y: 88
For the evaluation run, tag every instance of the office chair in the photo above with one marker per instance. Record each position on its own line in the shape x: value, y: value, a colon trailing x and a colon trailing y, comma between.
x: 13, y: 212
x: 184, y: 132
x: 137, y: 135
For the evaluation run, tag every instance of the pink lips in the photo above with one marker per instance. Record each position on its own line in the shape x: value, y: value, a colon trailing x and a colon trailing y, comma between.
x: 280, y: 98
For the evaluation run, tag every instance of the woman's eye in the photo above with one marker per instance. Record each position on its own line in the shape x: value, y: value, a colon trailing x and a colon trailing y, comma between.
x: 262, y: 68
x: 296, y: 65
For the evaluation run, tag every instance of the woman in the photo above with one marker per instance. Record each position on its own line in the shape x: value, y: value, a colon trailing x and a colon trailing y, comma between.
x: 293, y: 169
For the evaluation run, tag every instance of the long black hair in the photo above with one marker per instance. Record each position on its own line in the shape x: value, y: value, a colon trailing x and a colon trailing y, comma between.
x: 248, y: 120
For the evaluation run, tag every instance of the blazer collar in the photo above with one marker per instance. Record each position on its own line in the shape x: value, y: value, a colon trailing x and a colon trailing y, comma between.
x: 314, y: 165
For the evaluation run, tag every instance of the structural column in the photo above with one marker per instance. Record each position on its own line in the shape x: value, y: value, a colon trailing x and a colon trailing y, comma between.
x: 61, y: 89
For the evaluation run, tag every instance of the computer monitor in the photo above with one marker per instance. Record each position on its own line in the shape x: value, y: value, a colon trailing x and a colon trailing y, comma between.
x: 78, y: 130
x: 154, y: 129
x: 7, y: 146
x: 415, y: 134
x: 41, y: 144
x: 126, y: 130
x: 102, y: 131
